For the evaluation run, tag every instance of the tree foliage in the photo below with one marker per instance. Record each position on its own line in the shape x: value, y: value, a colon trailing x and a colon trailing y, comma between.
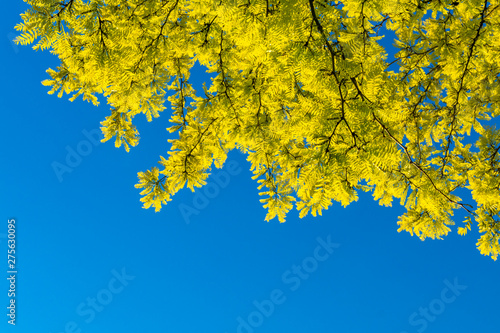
x: 305, y: 90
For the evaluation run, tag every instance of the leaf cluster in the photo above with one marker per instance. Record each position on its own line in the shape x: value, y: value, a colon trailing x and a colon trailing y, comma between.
x: 305, y: 90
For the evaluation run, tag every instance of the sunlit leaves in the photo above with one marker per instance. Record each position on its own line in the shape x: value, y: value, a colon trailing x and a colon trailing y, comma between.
x: 304, y: 88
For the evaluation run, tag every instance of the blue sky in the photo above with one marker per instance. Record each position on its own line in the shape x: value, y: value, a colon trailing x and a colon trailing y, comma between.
x: 91, y: 259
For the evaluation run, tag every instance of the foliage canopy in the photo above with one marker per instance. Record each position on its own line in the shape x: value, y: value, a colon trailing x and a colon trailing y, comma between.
x: 304, y: 88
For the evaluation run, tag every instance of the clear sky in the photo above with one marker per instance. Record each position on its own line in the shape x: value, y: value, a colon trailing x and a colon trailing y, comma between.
x: 91, y: 259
